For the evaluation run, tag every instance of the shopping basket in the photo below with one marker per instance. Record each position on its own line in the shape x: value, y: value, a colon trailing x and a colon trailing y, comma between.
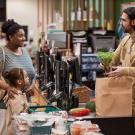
x: 44, y: 108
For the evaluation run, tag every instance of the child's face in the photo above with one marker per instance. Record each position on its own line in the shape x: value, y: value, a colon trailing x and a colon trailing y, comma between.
x: 26, y: 78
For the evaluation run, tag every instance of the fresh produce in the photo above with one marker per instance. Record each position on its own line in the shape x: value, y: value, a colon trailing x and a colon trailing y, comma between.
x: 75, y: 110
x: 91, y: 106
x: 105, y: 58
x: 79, y: 111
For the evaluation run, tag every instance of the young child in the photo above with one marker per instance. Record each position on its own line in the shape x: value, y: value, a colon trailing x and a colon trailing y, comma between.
x: 18, y: 79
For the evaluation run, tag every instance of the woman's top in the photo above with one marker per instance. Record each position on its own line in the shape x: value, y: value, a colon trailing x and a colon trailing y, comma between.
x: 18, y: 61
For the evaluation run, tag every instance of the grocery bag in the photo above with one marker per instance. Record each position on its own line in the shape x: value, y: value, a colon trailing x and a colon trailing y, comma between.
x: 114, y: 96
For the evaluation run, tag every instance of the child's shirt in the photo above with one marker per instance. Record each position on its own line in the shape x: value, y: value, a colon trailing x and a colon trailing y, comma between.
x: 15, y: 106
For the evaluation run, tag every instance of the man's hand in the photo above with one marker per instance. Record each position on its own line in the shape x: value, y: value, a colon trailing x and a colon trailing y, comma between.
x: 101, y: 66
x: 116, y: 73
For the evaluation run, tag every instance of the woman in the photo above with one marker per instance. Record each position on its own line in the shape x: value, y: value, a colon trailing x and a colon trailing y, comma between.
x: 16, y: 56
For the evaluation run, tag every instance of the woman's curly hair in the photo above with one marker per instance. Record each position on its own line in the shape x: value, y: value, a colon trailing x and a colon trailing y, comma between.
x: 10, y: 27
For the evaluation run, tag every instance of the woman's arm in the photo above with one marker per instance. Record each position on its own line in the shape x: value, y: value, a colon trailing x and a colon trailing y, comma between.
x: 10, y: 90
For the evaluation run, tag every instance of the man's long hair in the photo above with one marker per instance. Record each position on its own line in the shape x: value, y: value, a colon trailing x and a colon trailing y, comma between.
x: 130, y: 11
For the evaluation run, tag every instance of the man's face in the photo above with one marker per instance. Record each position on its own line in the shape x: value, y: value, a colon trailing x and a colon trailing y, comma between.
x: 126, y: 23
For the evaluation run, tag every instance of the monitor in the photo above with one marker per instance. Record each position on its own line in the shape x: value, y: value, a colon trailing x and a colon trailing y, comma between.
x: 58, y: 37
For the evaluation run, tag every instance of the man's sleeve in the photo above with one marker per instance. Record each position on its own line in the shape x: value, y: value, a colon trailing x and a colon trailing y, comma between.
x: 117, y: 53
x: 116, y: 56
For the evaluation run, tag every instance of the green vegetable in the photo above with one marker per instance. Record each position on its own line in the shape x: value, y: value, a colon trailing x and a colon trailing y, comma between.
x: 91, y: 106
x: 105, y: 58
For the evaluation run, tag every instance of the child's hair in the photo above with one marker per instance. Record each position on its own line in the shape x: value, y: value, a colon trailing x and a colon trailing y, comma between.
x: 14, y: 75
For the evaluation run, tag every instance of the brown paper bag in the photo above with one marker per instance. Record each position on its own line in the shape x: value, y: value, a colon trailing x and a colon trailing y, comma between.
x: 114, y: 96
x: 37, y: 98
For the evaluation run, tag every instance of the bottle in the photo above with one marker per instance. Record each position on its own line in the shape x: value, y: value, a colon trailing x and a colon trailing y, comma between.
x: 74, y: 101
x: 79, y: 14
x: 52, y: 51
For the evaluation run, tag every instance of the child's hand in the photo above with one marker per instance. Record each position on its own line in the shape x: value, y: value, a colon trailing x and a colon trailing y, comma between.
x: 30, y: 91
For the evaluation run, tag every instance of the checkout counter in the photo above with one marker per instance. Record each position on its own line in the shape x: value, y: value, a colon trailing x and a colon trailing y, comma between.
x: 108, y: 125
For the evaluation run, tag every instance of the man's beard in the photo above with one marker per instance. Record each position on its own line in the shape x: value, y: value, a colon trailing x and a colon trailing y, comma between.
x: 125, y: 30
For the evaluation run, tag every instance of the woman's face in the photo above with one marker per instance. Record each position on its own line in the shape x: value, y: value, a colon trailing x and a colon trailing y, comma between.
x: 18, y: 38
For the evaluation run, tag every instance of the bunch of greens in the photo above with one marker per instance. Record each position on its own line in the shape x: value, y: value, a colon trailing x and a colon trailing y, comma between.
x: 91, y: 106
x: 105, y: 58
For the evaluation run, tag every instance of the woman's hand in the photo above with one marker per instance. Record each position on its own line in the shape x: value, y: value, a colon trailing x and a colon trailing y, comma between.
x: 11, y: 92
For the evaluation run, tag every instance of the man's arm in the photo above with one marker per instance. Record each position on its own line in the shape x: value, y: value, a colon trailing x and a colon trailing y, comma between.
x: 117, y: 53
